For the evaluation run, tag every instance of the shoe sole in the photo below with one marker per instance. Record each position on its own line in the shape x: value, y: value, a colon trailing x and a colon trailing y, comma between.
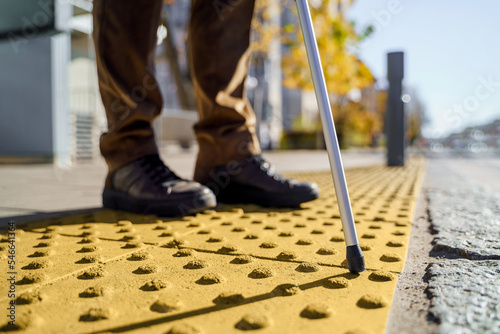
x: 242, y: 194
x: 118, y: 200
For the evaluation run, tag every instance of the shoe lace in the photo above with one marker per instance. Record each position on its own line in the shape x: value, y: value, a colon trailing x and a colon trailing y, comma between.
x: 156, y: 169
x: 268, y: 168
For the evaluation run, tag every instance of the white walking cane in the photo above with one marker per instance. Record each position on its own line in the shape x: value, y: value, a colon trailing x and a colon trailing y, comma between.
x: 354, y: 256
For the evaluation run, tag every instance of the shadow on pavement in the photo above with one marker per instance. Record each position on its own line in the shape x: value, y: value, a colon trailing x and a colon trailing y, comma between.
x: 278, y: 291
x: 21, y: 220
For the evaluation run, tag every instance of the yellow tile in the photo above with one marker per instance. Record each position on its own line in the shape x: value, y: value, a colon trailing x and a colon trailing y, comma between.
x: 221, y: 271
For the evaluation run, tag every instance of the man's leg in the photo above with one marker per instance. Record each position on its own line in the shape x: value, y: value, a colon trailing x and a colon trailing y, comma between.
x: 125, y: 42
x: 219, y: 51
x: 229, y: 159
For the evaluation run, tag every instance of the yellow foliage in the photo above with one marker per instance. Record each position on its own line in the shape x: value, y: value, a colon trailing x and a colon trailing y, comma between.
x: 335, y: 36
x: 263, y: 30
x: 343, y: 71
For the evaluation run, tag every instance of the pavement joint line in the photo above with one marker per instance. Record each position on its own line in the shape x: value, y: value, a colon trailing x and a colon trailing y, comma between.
x: 20, y: 209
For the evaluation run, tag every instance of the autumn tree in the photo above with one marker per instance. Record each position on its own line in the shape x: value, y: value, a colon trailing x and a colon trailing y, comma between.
x: 343, y: 71
x: 264, y: 30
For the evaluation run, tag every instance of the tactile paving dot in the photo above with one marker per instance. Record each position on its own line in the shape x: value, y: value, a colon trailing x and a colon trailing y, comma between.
x: 252, y: 322
x: 226, y: 271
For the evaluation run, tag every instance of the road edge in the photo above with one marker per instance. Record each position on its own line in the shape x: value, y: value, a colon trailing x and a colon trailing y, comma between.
x: 410, y: 304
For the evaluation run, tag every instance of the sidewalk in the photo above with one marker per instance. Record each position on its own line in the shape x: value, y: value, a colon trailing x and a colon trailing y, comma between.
x: 449, y: 283
x: 29, y: 189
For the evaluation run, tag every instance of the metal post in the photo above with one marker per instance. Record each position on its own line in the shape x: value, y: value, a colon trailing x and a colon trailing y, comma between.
x: 355, y: 259
x: 395, y: 117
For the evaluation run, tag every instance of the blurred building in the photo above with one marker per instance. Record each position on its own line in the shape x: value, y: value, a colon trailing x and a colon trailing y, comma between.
x: 34, y: 99
x: 474, y: 139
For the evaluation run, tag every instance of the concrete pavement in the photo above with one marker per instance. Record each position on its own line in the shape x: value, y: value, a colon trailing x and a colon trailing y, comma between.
x: 450, y: 283
x: 463, y: 203
x: 36, y: 189
x: 237, y: 268
x: 451, y: 279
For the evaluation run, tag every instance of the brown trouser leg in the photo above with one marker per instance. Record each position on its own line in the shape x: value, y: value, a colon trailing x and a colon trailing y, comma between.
x: 125, y: 40
x: 219, y: 39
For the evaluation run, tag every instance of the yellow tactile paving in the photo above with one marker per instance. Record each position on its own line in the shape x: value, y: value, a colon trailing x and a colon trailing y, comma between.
x: 278, y: 271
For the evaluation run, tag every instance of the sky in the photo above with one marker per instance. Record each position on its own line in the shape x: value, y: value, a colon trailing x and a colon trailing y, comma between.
x: 452, y: 55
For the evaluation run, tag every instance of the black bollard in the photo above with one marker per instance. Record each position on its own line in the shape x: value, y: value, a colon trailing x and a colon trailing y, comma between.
x: 395, y: 116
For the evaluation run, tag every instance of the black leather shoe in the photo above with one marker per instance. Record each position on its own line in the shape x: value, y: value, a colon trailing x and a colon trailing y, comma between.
x: 147, y: 186
x: 254, y: 181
